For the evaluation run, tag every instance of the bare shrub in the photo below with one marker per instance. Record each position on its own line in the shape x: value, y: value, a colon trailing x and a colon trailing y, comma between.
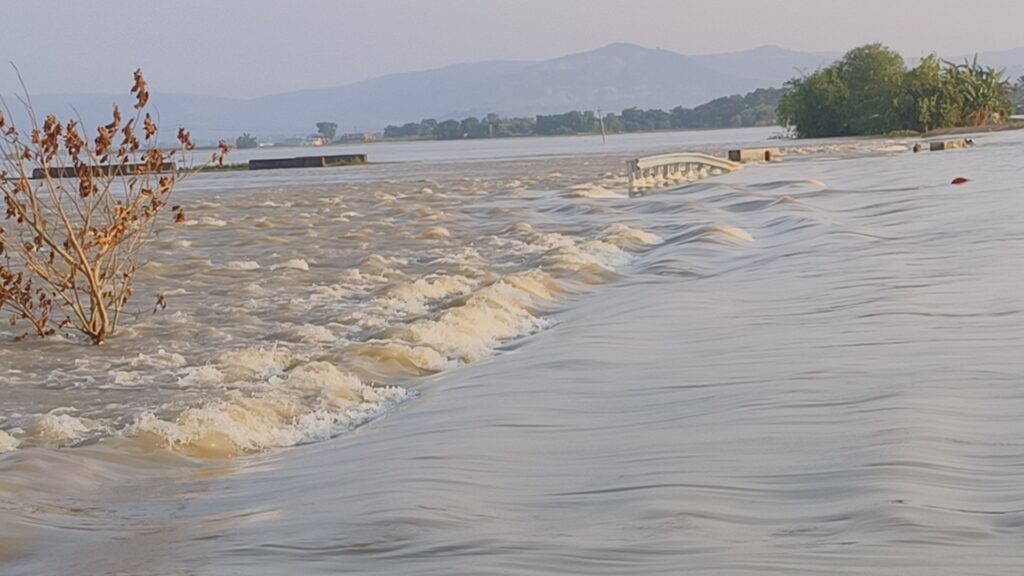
x: 78, y: 215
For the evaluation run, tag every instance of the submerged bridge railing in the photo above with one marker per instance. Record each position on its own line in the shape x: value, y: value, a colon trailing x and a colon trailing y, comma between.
x: 672, y: 169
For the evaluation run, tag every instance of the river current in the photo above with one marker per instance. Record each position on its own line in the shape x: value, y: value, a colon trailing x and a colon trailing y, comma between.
x: 486, y: 358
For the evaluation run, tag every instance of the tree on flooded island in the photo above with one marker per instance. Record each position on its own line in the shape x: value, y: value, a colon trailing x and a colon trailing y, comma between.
x: 871, y: 91
x: 246, y: 140
x: 327, y: 129
x: 78, y: 215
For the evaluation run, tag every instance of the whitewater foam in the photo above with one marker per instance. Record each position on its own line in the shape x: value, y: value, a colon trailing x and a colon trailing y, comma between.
x: 498, y: 312
x: 413, y: 298
x: 592, y: 191
x: 8, y: 443
x: 312, y: 333
x: 160, y: 359
x: 293, y: 264
x: 242, y: 265
x: 406, y: 358
x: 625, y: 236
x: 202, y: 376
x: 60, y: 429
x: 731, y: 232
x: 313, y: 401
x: 437, y: 233
x: 248, y: 364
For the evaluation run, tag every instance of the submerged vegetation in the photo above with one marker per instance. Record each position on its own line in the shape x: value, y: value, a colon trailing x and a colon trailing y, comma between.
x: 870, y: 91
x: 754, y: 109
x: 78, y: 215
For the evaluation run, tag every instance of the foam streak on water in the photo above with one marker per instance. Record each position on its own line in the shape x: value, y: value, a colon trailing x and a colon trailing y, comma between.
x: 802, y: 368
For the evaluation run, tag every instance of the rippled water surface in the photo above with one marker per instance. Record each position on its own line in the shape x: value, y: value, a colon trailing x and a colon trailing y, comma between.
x: 491, y: 360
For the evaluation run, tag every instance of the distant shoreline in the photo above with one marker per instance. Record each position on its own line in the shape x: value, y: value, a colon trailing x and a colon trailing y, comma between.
x: 781, y: 139
x: 974, y: 129
x: 571, y: 135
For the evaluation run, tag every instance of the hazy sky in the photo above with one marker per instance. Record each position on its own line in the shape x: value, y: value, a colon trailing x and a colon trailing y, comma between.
x: 256, y: 47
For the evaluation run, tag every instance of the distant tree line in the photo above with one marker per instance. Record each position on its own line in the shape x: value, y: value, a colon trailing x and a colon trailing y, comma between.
x: 870, y: 90
x: 754, y: 109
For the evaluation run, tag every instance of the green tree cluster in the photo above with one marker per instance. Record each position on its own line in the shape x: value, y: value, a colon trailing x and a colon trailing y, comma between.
x: 871, y: 91
x: 754, y: 109
x: 246, y: 140
x: 327, y: 129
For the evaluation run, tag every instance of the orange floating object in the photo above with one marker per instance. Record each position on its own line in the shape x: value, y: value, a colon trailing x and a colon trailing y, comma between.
x: 959, y: 180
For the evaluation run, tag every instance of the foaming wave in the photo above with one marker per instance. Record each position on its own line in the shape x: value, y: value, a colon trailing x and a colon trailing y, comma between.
x: 466, y: 257
x: 242, y: 265
x: 500, y: 311
x: 385, y: 266
x: 591, y: 260
x: 785, y: 199
x: 354, y: 278
x: 430, y: 214
x: 799, y: 184
x: 8, y: 443
x: 207, y: 221
x: 894, y: 148
x: 400, y: 358
x: 323, y: 293
x: 249, y: 364
x: 413, y: 298
x: 57, y: 430
x: 312, y: 333
x: 310, y: 401
x: 202, y: 376
x: 731, y: 232
x: 592, y: 191
x: 625, y: 236
x: 160, y: 359
x: 293, y: 264
x: 437, y: 233
x: 717, y: 233
x: 385, y: 198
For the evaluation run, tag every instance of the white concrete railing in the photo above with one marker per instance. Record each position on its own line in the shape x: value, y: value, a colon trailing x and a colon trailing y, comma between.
x: 670, y: 169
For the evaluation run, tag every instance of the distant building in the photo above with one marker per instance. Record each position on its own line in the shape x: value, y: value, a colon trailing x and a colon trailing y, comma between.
x: 357, y: 137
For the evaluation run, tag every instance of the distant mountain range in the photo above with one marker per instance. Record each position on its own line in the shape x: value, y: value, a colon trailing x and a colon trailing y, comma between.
x: 612, y: 78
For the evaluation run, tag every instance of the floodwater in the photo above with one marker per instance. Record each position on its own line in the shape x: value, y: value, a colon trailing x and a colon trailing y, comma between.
x: 491, y: 360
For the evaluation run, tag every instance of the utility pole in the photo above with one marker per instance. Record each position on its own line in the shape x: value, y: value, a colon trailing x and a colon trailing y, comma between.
x: 604, y: 139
